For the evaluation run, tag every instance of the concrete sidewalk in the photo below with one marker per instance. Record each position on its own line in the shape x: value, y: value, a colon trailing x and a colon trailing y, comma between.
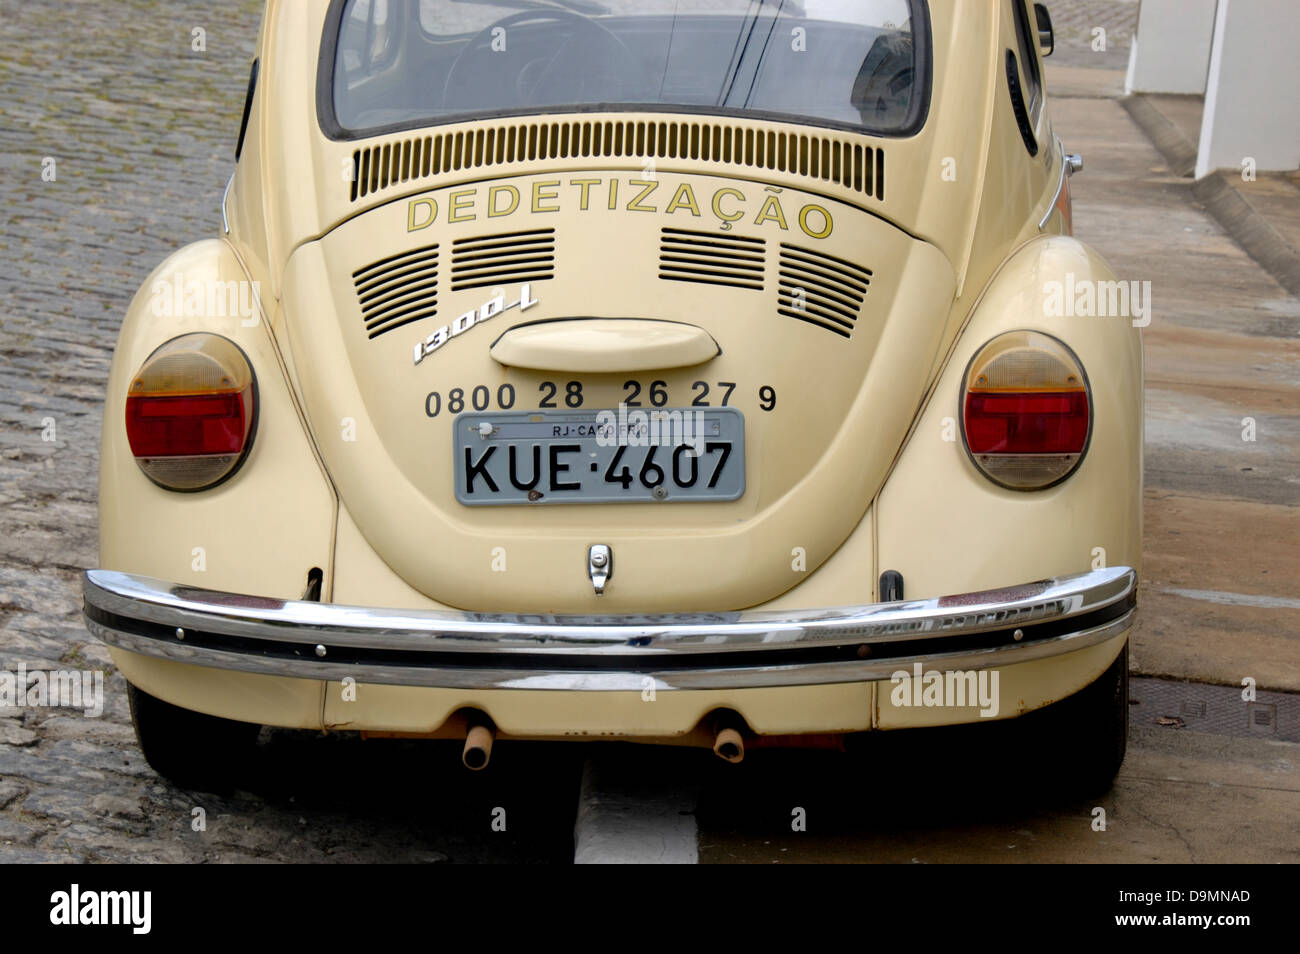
x: 1260, y: 210
x: 1221, y: 584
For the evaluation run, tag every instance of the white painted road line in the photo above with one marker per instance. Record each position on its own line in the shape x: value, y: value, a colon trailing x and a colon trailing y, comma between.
x: 624, y: 817
x: 1235, y: 599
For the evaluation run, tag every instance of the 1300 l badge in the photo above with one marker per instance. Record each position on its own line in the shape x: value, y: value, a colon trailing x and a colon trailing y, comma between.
x: 490, y: 309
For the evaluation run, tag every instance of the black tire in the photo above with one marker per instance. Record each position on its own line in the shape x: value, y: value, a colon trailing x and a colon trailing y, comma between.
x: 1082, y: 739
x: 190, y: 749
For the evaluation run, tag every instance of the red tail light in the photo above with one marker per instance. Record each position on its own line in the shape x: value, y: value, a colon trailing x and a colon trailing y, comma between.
x: 1027, y: 423
x: 186, y: 424
x: 190, y: 412
x: 1026, y: 413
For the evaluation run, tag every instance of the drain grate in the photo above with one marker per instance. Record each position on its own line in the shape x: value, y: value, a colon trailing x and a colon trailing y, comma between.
x: 1263, y: 715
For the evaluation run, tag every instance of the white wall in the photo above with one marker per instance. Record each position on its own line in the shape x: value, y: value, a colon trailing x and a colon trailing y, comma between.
x: 1171, y: 47
x: 1252, y: 99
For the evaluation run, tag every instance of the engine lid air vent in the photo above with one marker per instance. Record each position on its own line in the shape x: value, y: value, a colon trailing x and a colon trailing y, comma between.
x: 821, y: 289
x: 398, y: 290
x: 840, y: 159
x: 505, y: 258
x: 710, y: 258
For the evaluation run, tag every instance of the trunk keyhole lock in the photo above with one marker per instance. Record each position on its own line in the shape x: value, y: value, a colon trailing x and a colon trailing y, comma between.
x: 600, y: 566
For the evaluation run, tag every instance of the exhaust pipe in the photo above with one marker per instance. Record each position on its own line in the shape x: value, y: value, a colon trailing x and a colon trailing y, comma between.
x: 729, y: 745
x: 478, y: 746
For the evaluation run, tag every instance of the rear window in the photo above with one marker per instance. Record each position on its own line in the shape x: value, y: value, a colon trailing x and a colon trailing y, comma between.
x: 391, y: 64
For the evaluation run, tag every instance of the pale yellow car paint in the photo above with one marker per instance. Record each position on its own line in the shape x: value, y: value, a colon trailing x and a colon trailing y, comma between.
x: 244, y: 696
x: 264, y: 528
x: 989, y: 534
x: 973, y: 197
x: 846, y: 423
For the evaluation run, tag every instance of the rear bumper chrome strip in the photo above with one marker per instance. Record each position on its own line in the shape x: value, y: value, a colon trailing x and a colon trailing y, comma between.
x: 724, y: 650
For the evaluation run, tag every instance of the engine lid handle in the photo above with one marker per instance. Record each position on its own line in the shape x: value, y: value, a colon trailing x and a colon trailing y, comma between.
x: 604, y: 345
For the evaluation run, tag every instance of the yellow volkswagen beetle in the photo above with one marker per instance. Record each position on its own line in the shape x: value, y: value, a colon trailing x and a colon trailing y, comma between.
x: 708, y: 372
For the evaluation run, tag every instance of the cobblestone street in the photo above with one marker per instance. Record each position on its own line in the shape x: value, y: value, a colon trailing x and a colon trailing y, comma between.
x: 135, y: 178
x: 81, y: 88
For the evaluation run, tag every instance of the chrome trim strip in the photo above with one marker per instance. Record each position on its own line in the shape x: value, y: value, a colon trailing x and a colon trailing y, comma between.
x: 225, y: 222
x: 1056, y: 196
x: 173, y: 606
x: 749, y: 677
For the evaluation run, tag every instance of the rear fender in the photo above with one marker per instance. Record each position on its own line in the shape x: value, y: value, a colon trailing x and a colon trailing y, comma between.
x: 259, y: 532
x: 948, y: 529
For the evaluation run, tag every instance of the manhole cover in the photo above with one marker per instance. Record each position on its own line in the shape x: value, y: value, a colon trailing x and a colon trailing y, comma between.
x: 1196, y: 707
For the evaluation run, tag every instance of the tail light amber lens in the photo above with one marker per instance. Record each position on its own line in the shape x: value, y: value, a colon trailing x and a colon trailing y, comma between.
x: 191, y: 411
x: 1026, y: 411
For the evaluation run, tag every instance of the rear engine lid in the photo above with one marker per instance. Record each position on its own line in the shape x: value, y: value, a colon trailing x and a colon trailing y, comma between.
x: 826, y: 321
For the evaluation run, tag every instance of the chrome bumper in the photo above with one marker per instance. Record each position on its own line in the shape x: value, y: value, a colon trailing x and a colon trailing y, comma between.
x: 605, y: 653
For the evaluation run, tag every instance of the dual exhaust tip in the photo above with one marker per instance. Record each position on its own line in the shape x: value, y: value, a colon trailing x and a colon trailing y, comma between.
x: 728, y: 745
x: 478, y: 746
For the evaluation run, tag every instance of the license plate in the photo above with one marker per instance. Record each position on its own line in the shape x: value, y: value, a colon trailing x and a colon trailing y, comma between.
x: 644, y: 455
